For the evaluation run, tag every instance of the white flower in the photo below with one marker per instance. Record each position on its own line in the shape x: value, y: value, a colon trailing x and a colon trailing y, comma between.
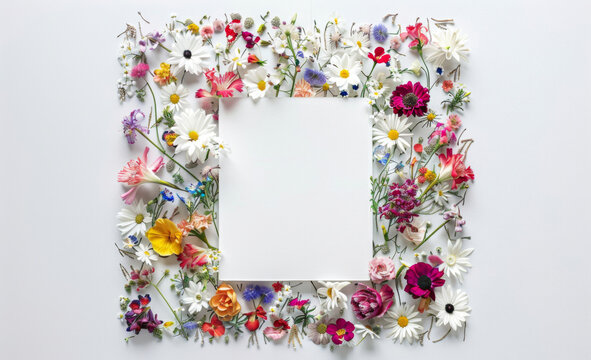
x: 279, y: 45
x: 256, y: 83
x: 338, y: 22
x: 364, y: 331
x: 447, y: 45
x: 219, y: 147
x: 441, y: 191
x: 195, y: 297
x: 332, y: 297
x: 236, y: 60
x: 286, y: 291
x: 357, y: 44
x: 404, y: 322
x: 195, y: 130
x: 417, y: 236
x: 219, y: 48
x: 145, y: 255
x: 188, y: 54
x: 415, y: 67
x: 451, y: 308
x: 390, y: 132
x: 175, y: 96
x: 456, y: 262
x: 344, y: 71
x: 169, y: 327
x: 133, y: 219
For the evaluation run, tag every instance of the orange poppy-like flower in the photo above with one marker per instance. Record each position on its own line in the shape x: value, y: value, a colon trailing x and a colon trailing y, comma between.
x: 166, y: 238
x: 225, y: 302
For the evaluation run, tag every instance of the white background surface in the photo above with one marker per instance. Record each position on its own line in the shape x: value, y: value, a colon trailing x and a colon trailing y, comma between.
x: 306, y: 175
x: 62, y: 147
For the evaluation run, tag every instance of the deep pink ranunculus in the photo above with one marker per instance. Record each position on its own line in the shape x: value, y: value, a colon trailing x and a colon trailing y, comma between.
x: 368, y: 303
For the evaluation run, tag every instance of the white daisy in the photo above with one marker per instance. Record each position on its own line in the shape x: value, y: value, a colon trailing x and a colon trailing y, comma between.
x: 218, y: 147
x: 145, y: 255
x: 450, y: 307
x: 357, y: 44
x: 441, y: 193
x: 195, y: 129
x: 331, y: 295
x: 344, y: 71
x: 447, y: 45
x: 390, y: 132
x: 287, y: 290
x: 195, y: 297
x: 175, y: 96
x: 133, y: 219
x: 235, y: 60
x: 188, y: 53
x: 404, y: 322
x: 456, y: 262
x: 364, y: 331
x: 256, y: 83
x: 279, y: 45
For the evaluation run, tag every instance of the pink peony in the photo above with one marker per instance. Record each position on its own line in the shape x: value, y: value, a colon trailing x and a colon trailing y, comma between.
x: 368, y: 303
x: 140, y: 70
x: 381, y: 269
x: 138, y: 172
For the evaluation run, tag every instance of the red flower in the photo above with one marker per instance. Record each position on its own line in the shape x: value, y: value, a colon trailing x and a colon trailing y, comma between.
x: 298, y: 303
x: 416, y: 34
x: 418, y: 148
x: 379, y: 56
x: 281, y: 324
x: 447, y: 85
x: 215, y: 328
x: 253, y: 59
x: 277, y: 286
x: 253, y: 323
x: 221, y: 86
x: 453, y: 167
x: 230, y: 33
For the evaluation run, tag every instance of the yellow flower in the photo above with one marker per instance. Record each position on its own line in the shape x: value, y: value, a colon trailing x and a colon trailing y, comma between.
x: 430, y: 176
x: 166, y: 238
x: 193, y: 28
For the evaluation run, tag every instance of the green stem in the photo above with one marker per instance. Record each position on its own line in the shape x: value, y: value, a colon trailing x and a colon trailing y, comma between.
x: 426, y: 67
x: 427, y: 189
x: 433, y: 233
x: 170, y: 307
x: 368, y: 76
x: 155, y: 113
x: 295, y: 67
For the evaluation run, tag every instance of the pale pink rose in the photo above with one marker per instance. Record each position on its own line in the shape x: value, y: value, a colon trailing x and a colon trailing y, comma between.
x: 206, y: 31
x: 381, y: 269
x: 395, y: 43
x: 218, y: 25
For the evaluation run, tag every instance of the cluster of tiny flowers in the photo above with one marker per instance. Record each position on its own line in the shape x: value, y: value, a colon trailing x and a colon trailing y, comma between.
x: 401, y: 203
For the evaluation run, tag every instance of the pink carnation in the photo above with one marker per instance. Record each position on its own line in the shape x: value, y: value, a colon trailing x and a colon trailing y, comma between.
x: 453, y: 122
x: 381, y: 269
x: 206, y: 32
x: 140, y: 70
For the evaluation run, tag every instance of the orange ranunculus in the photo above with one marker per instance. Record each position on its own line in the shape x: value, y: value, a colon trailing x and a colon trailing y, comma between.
x: 225, y: 302
x: 166, y: 238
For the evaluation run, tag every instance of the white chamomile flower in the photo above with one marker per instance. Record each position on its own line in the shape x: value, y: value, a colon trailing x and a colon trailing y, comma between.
x: 405, y: 322
x: 256, y: 83
x: 364, y: 331
x: 338, y: 22
x: 145, y: 255
x: 287, y: 290
x: 451, y: 307
x: 188, y: 53
x: 272, y: 310
x: 175, y: 96
x: 390, y: 132
x: 332, y: 297
x: 344, y: 71
x: 441, y: 193
x: 219, y: 48
x: 195, y: 297
x: 357, y: 44
x: 447, y: 45
x: 456, y: 261
x: 219, y: 147
x: 236, y: 61
x: 195, y: 130
x: 133, y: 219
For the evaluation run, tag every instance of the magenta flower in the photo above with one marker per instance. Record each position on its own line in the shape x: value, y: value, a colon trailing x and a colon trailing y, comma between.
x: 138, y: 172
x: 410, y: 99
x: 342, y: 329
x: 140, y: 316
x: 402, y: 200
x: 140, y: 70
x: 367, y: 303
x: 422, y: 279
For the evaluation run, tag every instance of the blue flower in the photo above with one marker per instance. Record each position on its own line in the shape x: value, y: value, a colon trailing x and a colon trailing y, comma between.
x: 344, y: 93
x: 268, y: 294
x: 300, y: 54
x: 314, y: 77
x: 355, y: 87
x: 167, y: 195
x: 251, y: 292
x: 380, y: 32
x: 133, y: 239
x: 439, y: 71
x: 190, y: 325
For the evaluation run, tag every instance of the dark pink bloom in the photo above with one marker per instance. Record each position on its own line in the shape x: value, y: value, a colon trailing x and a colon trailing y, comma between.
x: 250, y: 39
x: 192, y: 256
x: 410, y: 99
x: 298, y: 303
x: 422, y: 279
x: 368, y: 303
x: 341, y: 330
x: 453, y: 167
x: 415, y: 33
x: 140, y: 70
x: 221, y: 86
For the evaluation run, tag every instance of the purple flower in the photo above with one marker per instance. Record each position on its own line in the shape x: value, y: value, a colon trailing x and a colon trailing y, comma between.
x: 422, y: 279
x: 140, y: 316
x: 250, y: 39
x: 132, y: 123
x: 253, y: 292
x: 151, y: 41
x: 367, y: 303
x: 380, y: 32
x: 401, y: 203
x: 314, y: 77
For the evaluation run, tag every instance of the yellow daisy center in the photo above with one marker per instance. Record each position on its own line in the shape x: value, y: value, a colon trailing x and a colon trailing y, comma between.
x: 139, y: 218
x: 341, y: 332
x: 359, y: 44
x: 147, y: 253
x: 431, y: 117
x: 174, y: 98
x: 451, y: 260
x: 440, y: 193
x: 329, y: 292
x: 321, y: 328
x: 344, y: 73
x: 325, y: 86
x: 393, y: 134
x: 262, y: 85
x: 194, y: 135
x: 402, y: 321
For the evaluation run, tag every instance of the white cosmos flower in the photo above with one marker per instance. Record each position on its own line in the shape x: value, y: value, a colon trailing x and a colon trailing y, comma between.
x: 256, y: 83
x: 188, y: 53
x: 195, y: 297
x: 357, y: 44
x: 145, y: 255
x: 405, y: 322
x: 332, y: 297
x: 175, y: 96
x: 456, y: 261
x: 447, y: 45
x: 450, y: 307
x: 344, y: 71
x: 195, y: 130
x: 390, y: 132
x: 133, y: 219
